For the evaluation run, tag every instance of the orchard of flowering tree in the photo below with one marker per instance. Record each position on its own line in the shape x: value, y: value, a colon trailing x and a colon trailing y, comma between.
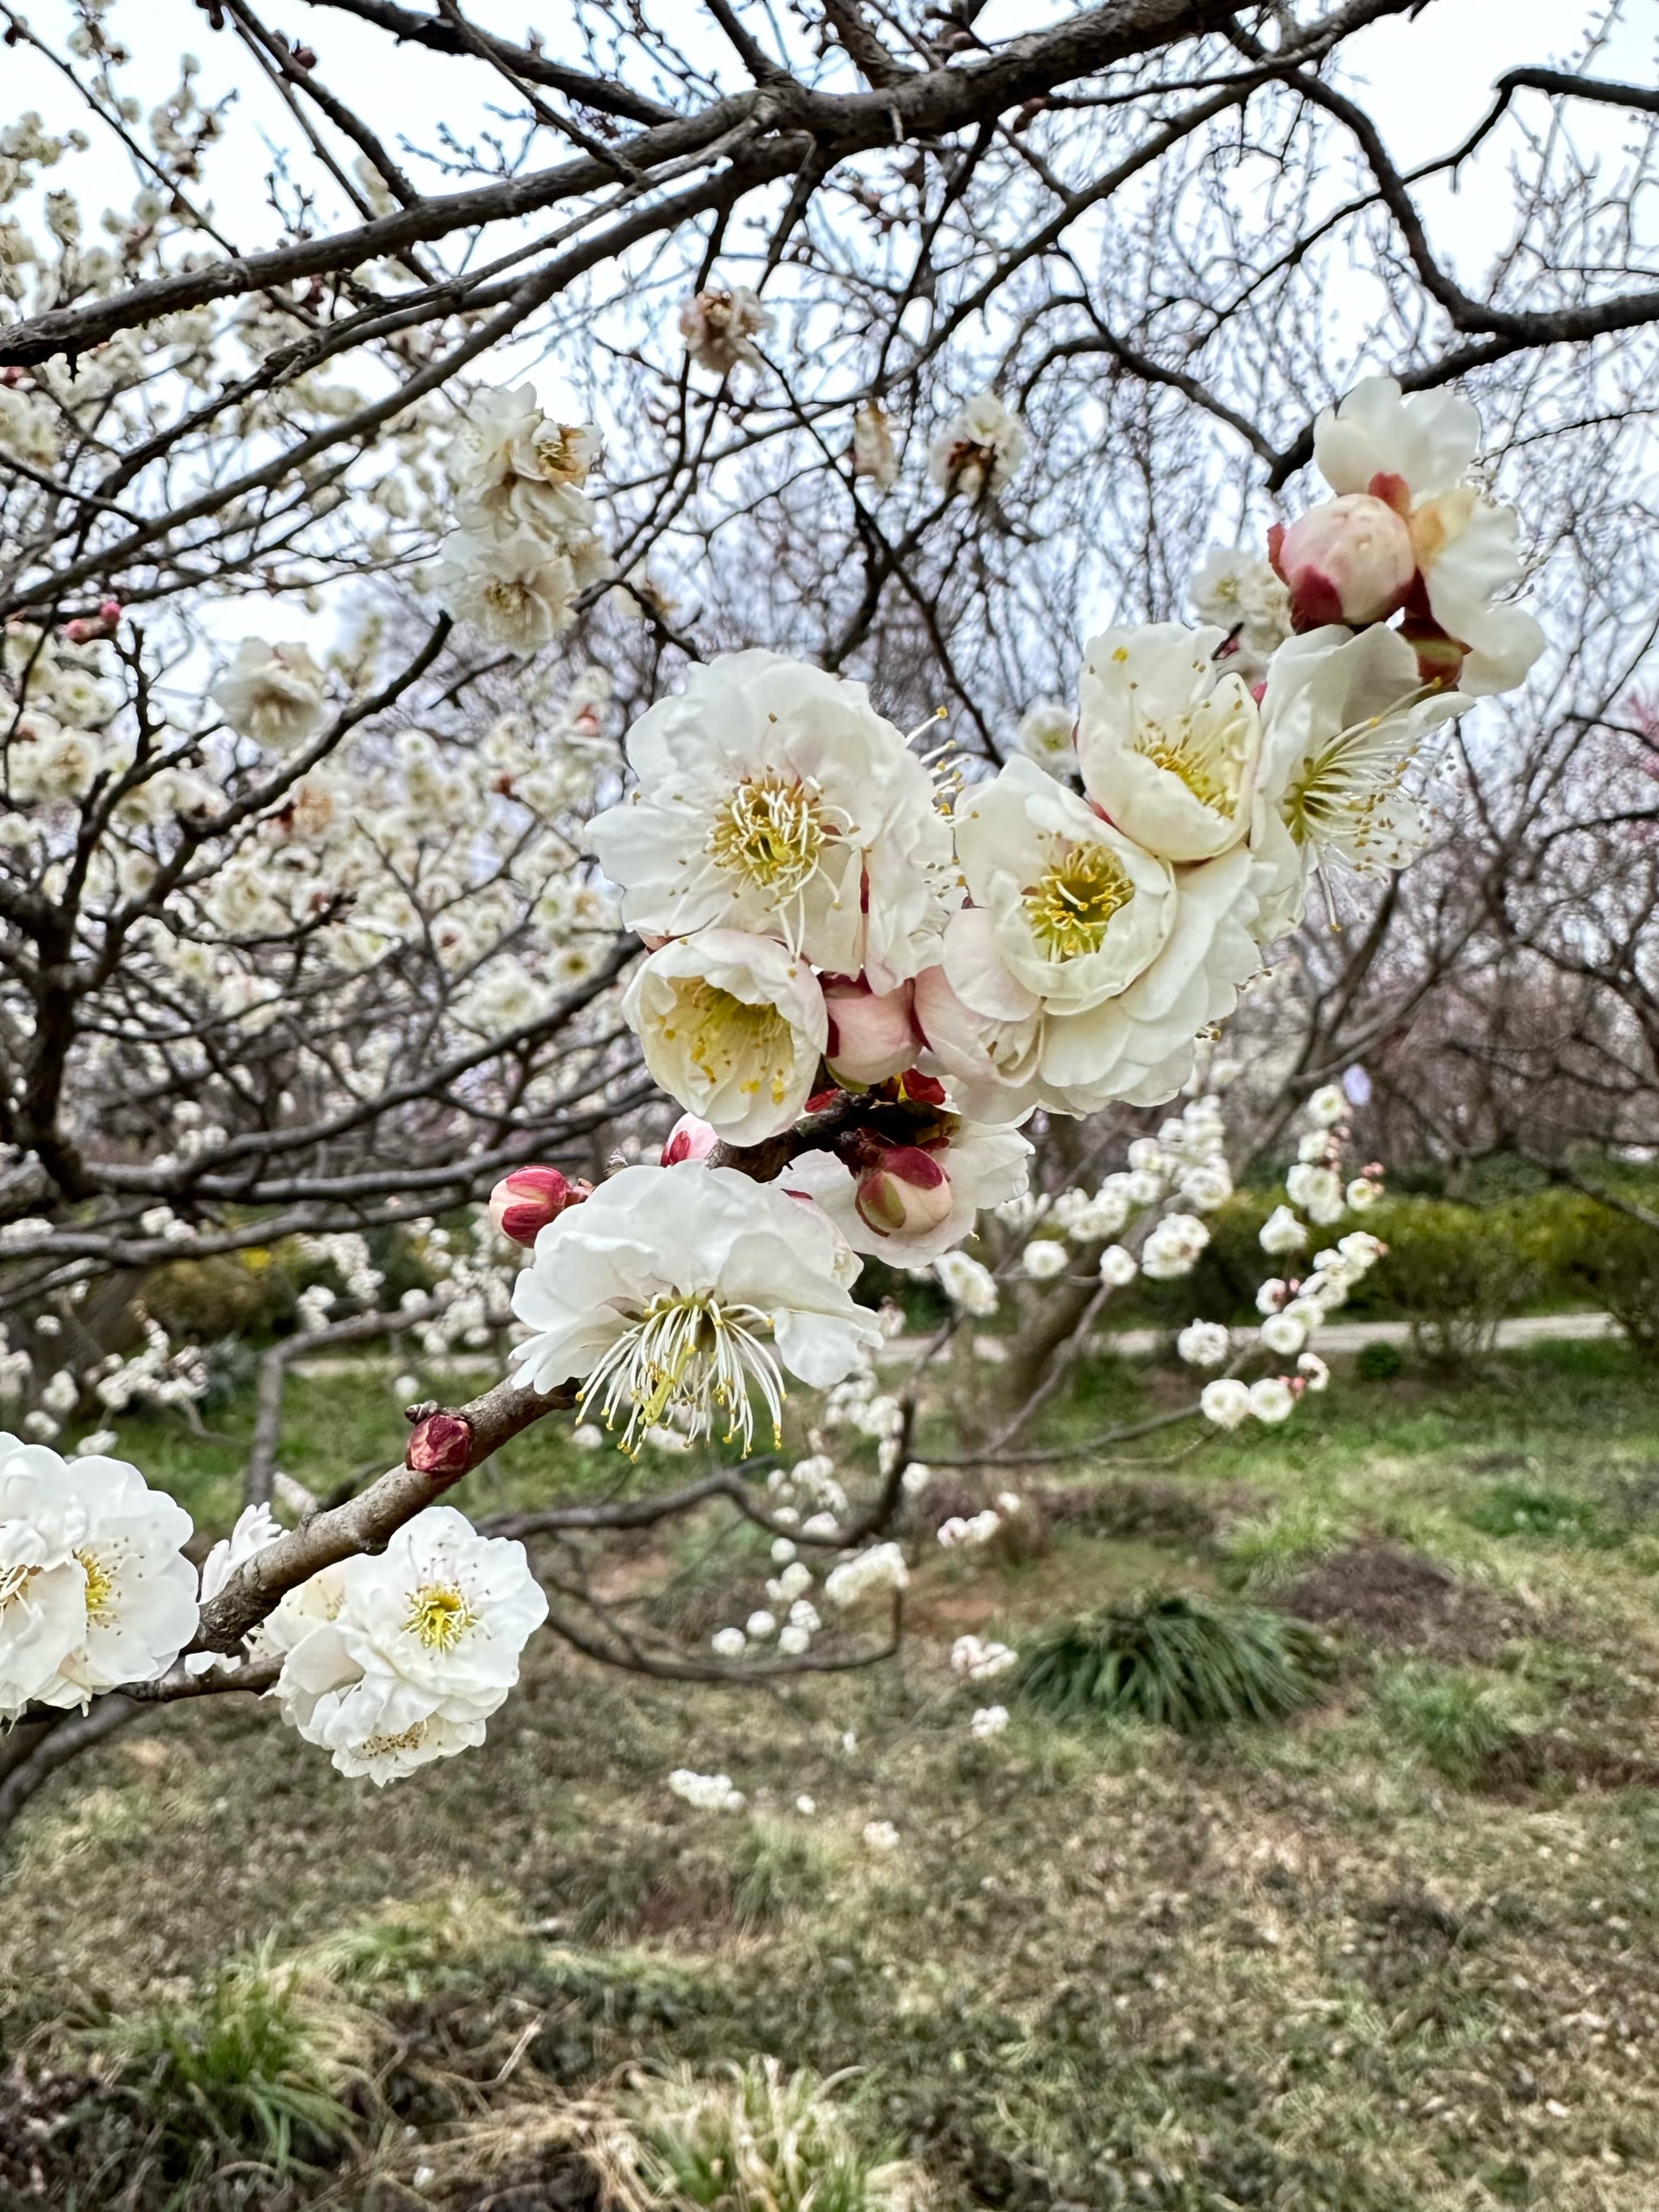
x: 727, y: 712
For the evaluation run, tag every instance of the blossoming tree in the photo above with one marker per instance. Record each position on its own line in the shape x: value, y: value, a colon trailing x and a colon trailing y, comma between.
x: 328, y: 934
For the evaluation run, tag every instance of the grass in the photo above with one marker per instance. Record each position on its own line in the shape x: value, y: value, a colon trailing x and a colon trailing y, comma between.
x: 1366, y: 1959
x: 1173, y: 1662
x: 755, y: 2139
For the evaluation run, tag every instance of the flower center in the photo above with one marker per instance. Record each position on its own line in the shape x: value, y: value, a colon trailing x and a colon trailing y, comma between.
x: 1071, y: 905
x: 1342, y: 798
x: 689, y: 1353
x: 439, y: 1616
x: 386, y: 1746
x: 100, y: 1587
x: 1205, y: 750
x: 13, y: 1581
x: 772, y: 832
x: 724, y: 1033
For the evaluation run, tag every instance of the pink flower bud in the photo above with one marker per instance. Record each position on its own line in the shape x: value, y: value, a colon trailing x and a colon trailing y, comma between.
x: 109, y: 610
x: 872, y: 1036
x: 905, y: 1194
x: 440, y: 1445
x: 688, y: 1140
x: 523, y: 1203
x: 1350, y: 560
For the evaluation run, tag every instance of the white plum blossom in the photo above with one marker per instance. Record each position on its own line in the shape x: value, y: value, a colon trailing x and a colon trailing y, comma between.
x: 1118, y: 1267
x: 255, y: 1528
x: 988, y: 1721
x: 979, y: 450
x: 1203, y: 1343
x: 660, y: 1293
x: 1237, y: 591
x: 1282, y: 1232
x: 94, y: 1590
x: 771, y: 796
x: 1313, y: 1370
x: 720, y: 328
x: 1272, y: 1399
x: 1168, y: 738
x: 1174, y: 1247
x: 979, y: 1660
x: 1344, y: 721
x: 394, y: 1660
x: 1047, y: 734
x: 516, y: 587
x: 968, y: 1283
x: 706, y: 1793
x: 976, y: 1529
x: 1328, y: 1106
x: 880, y: 1568
x: 1318, y: 1190
x: 728, y: 1643
x: 1226, y: 1401
x: 272, y: 693
x: 733, y: 1026
x: 1415, y: 453
x: 1044, y: 1259
x: 1283, y: 1332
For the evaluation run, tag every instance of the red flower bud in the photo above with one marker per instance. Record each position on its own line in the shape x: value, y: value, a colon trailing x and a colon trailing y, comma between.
x: 1351, y: 561
x: 906, y: 1194
x: 523, y: 1203
x: 440, y: 1445
x: 688, y: 1140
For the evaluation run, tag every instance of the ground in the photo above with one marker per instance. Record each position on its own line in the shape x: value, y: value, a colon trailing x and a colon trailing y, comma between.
x: 1398, y: 1954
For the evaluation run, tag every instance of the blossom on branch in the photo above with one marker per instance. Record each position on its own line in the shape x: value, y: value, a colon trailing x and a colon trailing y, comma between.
x: 94, y: 1590
x: 390, y: 1662
x: 682, y: 1291
x: 733, y: 1026
x: 772, y: 798
x: 271, y: 693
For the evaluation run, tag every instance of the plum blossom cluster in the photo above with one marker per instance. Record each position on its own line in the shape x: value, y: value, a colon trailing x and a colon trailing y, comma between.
x: 882, y: 974
x: 524, y: 543
x: 94, y: 1589
x: 391, y: 1662
x: 1294, y: 1310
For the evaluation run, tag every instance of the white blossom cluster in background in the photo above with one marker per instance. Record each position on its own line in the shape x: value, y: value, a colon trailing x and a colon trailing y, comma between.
x: 524, y: 543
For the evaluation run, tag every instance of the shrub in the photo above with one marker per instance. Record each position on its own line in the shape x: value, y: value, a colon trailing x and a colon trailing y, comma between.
x: 1590, y: 1251
x: 1379, y: 1361
x: 1454, y: 1272
x: 1511, y: 1509
x: 756, y: 2139
x: 1179, y: 1661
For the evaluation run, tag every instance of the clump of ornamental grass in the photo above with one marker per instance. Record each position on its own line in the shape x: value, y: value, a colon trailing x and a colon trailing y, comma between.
x: 1454, y: 1721
x: 250, y: 2067
x: 1178, y: 1662
x: 755, y: 2139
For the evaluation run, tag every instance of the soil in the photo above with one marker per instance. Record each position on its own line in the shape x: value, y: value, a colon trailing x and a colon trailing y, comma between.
x: 1400, y: 1600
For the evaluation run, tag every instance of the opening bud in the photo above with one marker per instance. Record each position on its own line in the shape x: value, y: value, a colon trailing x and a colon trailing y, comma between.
x: 523, y: 1203
x: 871, y: 1034
x: 905, y: 1193
x: 1351, y: 561
x: 688, y: 1140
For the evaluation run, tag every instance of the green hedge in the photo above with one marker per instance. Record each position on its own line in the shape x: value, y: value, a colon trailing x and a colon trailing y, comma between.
x: 1453, y: 1270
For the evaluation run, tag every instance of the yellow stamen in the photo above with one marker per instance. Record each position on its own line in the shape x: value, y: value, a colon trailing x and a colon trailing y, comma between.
x: 1071, y: 905
x: 439, y: 1616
